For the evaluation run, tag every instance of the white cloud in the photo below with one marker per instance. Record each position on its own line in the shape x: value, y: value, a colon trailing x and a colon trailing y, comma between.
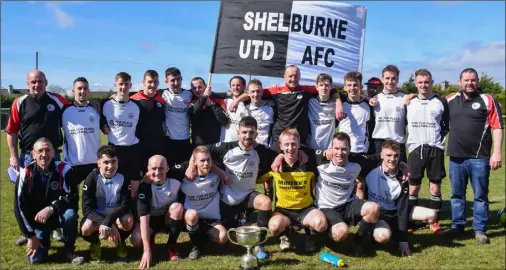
x: 63, y: 19
x: 485, y: 58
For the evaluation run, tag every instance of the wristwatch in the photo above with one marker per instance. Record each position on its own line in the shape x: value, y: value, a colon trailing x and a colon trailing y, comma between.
x: 51, y: 209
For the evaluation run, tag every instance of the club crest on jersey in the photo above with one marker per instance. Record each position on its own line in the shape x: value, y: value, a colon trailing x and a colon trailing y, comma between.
x: 50, y: 107
x: 158, y: 104
x: 92, y: 119
x: 349, y: 178
x: 476, y: 106
x: 398, y: 109
x: 54, y: 185
x: 433, y: 113
x: 251, y: 163
x: 299, y: 96
x: 141, y: 196
x: 131, y: 115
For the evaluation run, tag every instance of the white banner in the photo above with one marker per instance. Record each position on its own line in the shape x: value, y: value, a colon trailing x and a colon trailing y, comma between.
x: 326, y: 37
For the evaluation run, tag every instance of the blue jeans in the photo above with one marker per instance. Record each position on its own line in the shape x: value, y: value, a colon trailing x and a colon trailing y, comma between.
x: 26, y: 157
x: 478, y: 171
x: 67, y: 221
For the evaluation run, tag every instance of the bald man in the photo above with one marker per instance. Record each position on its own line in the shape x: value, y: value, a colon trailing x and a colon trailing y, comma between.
x: 158, y: 209
x: 32, y: 116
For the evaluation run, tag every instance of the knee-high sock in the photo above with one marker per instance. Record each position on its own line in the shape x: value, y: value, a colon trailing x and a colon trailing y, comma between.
x: 263, y: 221
x: 175, y: 227
x: 436, y: 203
x: 92, y: 238
x: 194, y: 233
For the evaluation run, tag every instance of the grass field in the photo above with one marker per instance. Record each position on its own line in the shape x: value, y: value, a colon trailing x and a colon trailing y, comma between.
x: 429, y: 251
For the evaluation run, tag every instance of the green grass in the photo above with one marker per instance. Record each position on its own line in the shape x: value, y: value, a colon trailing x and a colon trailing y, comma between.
x: 429, y: 251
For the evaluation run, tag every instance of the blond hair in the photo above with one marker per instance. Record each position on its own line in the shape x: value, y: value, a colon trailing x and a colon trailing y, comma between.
x: 290, y: 132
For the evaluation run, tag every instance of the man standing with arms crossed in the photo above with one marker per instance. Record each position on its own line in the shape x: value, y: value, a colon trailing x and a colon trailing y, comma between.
x: 427, y: 116
x: 476, y: 127
x: 32, y: 116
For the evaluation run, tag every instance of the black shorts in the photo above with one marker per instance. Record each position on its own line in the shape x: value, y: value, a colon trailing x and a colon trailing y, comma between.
x: 230, y: 213
x: 206, y: 224
x: 80, y: 172
x: 130, y: 161
x: 377, y: 146
x: 296, y: 216
x: 392, y: 219
x: 159, y: 223
x: 429, y: 158
x: 178, y: 151
x: 348, y: 213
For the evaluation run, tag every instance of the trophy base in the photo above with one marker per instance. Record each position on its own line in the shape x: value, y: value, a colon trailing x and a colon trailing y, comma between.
x: 249, y: 268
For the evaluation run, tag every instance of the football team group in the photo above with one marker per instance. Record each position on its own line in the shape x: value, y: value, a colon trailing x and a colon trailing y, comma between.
x: 191, y: 160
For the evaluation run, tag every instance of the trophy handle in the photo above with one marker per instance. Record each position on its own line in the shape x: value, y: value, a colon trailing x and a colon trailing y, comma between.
x: 228, y: 235
x: 267, y: 233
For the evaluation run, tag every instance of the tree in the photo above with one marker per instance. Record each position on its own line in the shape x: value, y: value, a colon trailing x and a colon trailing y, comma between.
x: 488, y: 85
x: 409, y: 87
x: 56, y: 89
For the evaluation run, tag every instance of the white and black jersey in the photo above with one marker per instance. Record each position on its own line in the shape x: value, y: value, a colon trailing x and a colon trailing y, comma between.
x: 122, y: 119
x: 201, y: 194
x: 242, y: 167
x: 389, y: 192
x: 177, y: 118
x: 264, y: 114
x: 428, y: 122
x: 390, y: 117
x: 154, y: 199
x: 81, y: 128
x: 322, y: 123
x: 229, y: 131
x: 104, y: 200
x: 358, y: 116
x: 335, y: 184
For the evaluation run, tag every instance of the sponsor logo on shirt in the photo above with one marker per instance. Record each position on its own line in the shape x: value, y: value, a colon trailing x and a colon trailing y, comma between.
x: 201, y: 197
x: 322, y: 122
x: 177, y: 110
x: 117, y: 123
x: 337, y: 186
x: 239, y: 174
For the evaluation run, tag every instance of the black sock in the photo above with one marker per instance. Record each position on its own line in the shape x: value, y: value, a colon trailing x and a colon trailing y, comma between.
x: 194, y: 234
x: 364, y: 233
x: 436, y: 203
x: 175, y: 227
x: 92, y: 238
x: 263, y: 221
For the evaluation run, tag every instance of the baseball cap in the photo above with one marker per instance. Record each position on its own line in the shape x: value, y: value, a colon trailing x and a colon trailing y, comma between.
x: 374, y: 81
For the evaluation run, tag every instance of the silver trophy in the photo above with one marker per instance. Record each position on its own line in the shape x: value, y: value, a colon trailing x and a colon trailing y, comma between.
x: 249, y: 237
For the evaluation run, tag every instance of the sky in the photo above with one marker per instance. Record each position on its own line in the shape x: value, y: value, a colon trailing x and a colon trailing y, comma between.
x: 99, y: 39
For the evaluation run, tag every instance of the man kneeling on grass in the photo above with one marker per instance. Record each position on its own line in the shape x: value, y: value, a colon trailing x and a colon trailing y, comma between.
x: 46, y: 199
x: 385, y: 186
x: 201, y: 201
x: 105, y: 202
x: 158, y: 210
x: 293, y: 188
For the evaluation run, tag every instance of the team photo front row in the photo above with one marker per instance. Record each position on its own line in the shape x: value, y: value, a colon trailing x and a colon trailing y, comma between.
x: 311, y: 189
x: 205, y: 162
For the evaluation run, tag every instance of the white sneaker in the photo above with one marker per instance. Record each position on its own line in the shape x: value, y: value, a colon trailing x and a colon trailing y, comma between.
x: 284, y: 243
